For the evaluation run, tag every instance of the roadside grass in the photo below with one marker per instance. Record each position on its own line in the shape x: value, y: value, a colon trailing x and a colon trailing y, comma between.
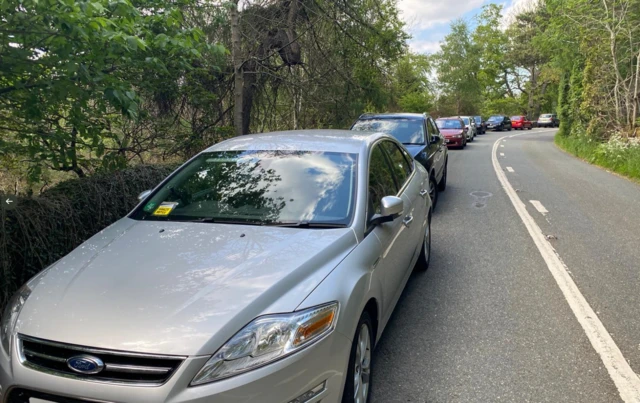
x: 623, y: 160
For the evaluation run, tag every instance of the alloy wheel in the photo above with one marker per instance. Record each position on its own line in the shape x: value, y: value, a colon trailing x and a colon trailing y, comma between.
x: 362, y: 368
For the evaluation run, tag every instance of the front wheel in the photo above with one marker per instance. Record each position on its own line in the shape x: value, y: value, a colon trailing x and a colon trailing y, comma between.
x: 443, y: 182
x: 425, y: 254
x: 433, y: 192
x: 358, y: 384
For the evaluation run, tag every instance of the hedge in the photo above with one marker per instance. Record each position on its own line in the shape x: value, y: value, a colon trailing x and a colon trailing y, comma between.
x: 41, y: 230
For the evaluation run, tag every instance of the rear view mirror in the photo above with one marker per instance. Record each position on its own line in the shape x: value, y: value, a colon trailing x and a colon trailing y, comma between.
x: 391, y: 207
x: 144, y: 195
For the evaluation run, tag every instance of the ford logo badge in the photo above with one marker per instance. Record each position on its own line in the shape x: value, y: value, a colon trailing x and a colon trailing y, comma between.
x: 85, y: 364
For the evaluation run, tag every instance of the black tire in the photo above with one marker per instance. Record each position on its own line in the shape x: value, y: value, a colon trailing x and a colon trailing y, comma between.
x: 425, y: 254
x: 349, y: 395
x: 433, y: 192
x: 510, y: 129
x: 442, y: 186
x: 530, y: 127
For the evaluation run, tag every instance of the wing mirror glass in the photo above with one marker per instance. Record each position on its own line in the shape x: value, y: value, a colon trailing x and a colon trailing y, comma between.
x: 144, y: 195
x: 391, y: 207
x: 434, y: 138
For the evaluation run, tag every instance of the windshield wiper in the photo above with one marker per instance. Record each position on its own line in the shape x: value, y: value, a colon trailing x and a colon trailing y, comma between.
x: 307, y: 224
x: 218, y: 220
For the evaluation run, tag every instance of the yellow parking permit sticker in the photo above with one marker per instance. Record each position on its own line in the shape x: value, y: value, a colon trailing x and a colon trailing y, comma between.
x: 165, y: 209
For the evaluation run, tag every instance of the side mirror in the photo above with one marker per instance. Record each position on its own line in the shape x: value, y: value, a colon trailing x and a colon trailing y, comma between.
x: 434, y: 138
x: 144, y: 195
x: 391, y: 207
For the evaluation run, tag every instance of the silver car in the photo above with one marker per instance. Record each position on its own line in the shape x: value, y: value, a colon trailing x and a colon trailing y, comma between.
x: 470, y: 127
x: 263, y: 270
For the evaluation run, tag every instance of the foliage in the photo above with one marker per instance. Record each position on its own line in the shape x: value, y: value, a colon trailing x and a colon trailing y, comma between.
x: 619, y: 154
x: 43, y: 229
x: 75, y: 75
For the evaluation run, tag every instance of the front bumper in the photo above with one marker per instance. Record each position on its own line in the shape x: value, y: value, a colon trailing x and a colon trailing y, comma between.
x: 280, y: 382
x: 545, y: 124
x: 454, y: 142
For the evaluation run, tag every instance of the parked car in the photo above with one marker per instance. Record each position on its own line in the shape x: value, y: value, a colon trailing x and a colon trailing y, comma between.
x: 521, y: 122
x: 548, y: 120
x: 266, y: 260
x: 499, y: 123
x: 480, y: 124
x: 420, y: 136
x: 470, y: 126
x: 453, y: 131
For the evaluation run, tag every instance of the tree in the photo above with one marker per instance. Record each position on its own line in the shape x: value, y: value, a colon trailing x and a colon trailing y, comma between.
x: 72, y: 69
x: 457, y: 68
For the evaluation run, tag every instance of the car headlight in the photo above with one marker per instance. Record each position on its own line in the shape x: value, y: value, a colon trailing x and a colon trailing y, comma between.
x: 267, y: 339
x: 10, y: 316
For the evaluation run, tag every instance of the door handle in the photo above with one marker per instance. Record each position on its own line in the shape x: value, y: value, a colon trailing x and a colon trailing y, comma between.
x: 407, y: 220
x: 424, y: 192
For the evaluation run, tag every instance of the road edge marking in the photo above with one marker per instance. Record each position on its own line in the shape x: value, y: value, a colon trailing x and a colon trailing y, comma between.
x: 538, y: 206
x: 510, y: 169
x: 627, y: 382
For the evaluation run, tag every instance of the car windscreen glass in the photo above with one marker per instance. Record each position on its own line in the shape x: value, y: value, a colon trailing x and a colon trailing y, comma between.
x: 515, y: 117
x: 495, y: 119
x: 406, y: 131
x: 478, y: 119
x: 545, y: 116
x: 466, y: 121
x: 258, y: 187
x: 449, y: 124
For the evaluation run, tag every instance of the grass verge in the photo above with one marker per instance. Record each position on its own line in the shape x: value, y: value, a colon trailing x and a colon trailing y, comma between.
x: 621, y: 160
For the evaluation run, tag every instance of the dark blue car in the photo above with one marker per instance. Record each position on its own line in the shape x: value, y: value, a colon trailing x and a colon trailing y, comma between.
x: 420, y: 136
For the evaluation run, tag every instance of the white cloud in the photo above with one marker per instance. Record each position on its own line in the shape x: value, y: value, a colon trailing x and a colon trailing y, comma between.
x: 424, y: 46
x: 517, y: 7
x: 422, y: 14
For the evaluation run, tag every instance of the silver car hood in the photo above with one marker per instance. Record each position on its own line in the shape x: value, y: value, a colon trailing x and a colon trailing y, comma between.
x: 177, y: 288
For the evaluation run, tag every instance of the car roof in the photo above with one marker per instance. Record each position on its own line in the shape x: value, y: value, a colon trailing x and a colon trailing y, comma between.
x: 416, y: 116
x: 347, y: 141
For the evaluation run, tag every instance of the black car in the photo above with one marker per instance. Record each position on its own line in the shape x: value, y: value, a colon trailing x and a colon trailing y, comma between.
x: 480, y: 124
x: 420, y: 136
x: 499, y: 123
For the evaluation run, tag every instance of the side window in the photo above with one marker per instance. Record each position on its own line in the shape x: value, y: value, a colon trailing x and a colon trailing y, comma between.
x: 433, y: 129
x: 381, y: 181
x: 400, y: 165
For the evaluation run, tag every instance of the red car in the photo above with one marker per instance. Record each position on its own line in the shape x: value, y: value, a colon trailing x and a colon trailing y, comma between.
x: 453, y: 131
x: 521, y: 122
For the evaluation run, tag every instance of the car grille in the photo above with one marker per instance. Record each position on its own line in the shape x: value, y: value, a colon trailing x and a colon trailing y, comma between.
x: 119, y: 367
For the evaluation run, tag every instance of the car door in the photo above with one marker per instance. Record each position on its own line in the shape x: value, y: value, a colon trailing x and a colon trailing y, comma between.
x: 436, y: 148
x: 395, y: 237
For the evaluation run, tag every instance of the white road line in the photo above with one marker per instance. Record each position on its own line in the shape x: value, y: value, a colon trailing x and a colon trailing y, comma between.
x: 502, y: 145
x: 510, y: 169
x: 627, y: 382
x: 502, y: 154
x: 539, y: 207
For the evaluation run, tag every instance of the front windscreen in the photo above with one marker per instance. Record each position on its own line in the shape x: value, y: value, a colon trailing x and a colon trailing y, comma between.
x: 478, y: 119
x: 515, y: 117
x: 258, y: 187
x: 466, y: 121
x: 407, y: 131
x: 449, y: 124
x: 495, y: 119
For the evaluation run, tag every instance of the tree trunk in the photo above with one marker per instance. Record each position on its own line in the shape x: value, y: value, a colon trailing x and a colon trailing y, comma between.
x: 635, y: 93
x: 236, y: 55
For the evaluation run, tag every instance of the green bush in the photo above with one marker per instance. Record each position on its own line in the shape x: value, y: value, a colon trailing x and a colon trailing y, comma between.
x: 618, y: 155
x: 41, y: 230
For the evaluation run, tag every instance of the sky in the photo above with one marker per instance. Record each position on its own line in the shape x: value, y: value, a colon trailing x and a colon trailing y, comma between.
x: 428, y: 20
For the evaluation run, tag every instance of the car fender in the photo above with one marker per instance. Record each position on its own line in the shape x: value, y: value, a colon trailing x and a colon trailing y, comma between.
x: 353, y: 284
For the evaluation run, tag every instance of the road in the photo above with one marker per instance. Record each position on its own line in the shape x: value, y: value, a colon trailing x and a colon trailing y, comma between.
x: 489, y: 321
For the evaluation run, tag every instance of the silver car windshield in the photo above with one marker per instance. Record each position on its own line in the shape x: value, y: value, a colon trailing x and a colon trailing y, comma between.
x: 258, y: 187
x: 406, y: 131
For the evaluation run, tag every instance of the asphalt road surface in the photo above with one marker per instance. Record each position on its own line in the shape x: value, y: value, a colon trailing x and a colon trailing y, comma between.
x: 493, y: 320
